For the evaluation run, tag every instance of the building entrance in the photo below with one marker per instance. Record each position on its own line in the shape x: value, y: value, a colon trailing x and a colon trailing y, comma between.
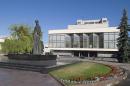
x: 81, y: 53
x: 84, y: 54
x: 92, y: 54
x: 76, y: 53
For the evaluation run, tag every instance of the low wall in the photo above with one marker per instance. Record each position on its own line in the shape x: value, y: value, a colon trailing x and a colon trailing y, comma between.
x: 31, y: 57
x: 37, y: 63
x: 40, y: 60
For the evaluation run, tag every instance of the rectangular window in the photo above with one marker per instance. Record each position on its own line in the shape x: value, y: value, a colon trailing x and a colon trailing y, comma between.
x: 58, y: 37
x: 54, y: 45
x: 111, y: 45
x: 105, y: 36
x: 55, y: 40
x: 105, y: 44
x: 76, y: 42
x: 85, y: 41
x: 58, y: 45
x: 68, y: 41
x: 111, y: 39
x: 54, y: 37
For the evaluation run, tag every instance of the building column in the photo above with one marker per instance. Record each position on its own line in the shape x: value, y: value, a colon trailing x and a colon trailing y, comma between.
x: 88, y: 54
x: 79, y: 54
x: 72, y: 38
x: 72, y: 54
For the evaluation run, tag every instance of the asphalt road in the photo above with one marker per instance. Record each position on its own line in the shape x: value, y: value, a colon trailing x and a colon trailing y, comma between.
x: 9, y: 77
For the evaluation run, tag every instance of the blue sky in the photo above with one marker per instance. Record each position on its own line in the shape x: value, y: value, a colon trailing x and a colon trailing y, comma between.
x: 57, y: 14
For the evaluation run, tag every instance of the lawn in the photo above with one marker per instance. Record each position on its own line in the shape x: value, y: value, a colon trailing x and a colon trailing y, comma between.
x: 82, y: 70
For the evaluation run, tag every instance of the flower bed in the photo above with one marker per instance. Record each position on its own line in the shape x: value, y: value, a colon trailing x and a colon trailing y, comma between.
x: 116, y: 73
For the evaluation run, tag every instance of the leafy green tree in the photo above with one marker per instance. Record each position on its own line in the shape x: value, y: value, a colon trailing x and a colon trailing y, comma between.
x: 21, y: 40
x: 123, y: 39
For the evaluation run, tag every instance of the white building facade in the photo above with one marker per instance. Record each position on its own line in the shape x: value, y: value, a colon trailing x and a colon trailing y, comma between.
x: 88, y: 38
x: 2, y: 39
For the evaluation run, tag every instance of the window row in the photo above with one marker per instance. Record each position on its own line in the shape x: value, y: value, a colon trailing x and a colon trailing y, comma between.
x: 93, y: 40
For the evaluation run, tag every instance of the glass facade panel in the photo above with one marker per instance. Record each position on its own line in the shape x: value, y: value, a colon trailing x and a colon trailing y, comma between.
x: 105, y: 44
x: 58, y: 38
x: 101, y: 42
x: 54, y: 37
x: 110, y: 40
x: 58, y: 45
x: 62, y: 45
x: 55, y: 41
x: 111, y: 37
x: 68, y: 41
x: 95, y: 41
x: 85, y: 40
x: 54, y: 45
x: 62, y: 38
x: 90, y: 40
x: 111, y: 45
x: 76, y: 42
x: 105, y: 36
x: 81, y: 40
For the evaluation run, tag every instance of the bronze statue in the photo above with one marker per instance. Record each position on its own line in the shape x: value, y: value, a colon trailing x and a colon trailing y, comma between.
x: 38, y: 46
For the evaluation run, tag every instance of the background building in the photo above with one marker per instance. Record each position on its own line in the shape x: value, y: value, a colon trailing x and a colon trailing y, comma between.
x: 2, y: 39
x: 89, y: 38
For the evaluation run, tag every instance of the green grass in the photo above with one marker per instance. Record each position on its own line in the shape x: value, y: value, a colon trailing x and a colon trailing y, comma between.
x: 84, y: 70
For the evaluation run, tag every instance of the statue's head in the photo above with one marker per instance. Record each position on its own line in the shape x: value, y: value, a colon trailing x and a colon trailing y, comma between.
x: 37, y: 22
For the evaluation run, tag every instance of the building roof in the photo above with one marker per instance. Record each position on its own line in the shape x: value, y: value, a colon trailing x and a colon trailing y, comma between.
x: 98, y: 21
x: 91, y: 30
x: 87, y: 26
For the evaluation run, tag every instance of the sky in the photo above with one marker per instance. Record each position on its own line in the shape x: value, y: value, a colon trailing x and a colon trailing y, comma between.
x: 58, y: 14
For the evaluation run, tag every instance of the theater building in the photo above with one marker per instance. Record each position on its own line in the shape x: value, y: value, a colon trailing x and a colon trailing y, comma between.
x: 88, y: 38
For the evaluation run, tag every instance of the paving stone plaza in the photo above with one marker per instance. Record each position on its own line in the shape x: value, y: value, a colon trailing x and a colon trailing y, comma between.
x: 29, y: 78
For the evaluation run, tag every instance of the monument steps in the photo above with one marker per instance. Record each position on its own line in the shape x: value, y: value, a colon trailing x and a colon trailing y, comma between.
x: 35, y: 68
